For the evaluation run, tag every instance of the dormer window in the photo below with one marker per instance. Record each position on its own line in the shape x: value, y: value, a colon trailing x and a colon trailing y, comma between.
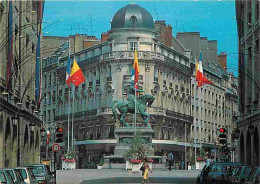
x: 133, y: 21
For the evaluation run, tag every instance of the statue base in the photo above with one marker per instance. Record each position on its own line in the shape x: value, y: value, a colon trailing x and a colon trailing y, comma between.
x: 125, y: 136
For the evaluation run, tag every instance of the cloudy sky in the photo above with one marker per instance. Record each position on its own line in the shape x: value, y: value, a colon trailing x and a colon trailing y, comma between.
x: 214, y: 19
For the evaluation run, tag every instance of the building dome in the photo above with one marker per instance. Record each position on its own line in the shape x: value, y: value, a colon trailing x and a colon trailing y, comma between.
x: 132, y: 16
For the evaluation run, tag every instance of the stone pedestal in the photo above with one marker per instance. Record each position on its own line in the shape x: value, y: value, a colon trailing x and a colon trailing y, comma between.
x: 125, y: 135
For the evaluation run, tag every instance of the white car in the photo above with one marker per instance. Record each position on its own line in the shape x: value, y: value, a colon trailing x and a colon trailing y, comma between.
x: 27, y: 175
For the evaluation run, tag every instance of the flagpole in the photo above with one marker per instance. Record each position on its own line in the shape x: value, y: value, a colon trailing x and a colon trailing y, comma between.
x: 72, y: 123
x: 195, y: 123
x: 135, y: 110
x: 69, y: 111
x: 72, y: 118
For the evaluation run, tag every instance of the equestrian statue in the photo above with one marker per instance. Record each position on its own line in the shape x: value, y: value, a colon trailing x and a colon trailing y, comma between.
x: 128, y: 106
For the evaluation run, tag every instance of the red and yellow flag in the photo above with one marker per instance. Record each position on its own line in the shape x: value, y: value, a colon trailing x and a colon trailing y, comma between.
x: 76, y: 75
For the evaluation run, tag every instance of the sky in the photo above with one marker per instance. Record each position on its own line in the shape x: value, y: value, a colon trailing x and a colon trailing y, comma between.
x: 214, y: 19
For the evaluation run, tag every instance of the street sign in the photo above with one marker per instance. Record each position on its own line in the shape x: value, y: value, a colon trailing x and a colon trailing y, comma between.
x: 55, y: 147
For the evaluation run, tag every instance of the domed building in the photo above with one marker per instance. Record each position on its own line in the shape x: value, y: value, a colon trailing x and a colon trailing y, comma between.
x: 164, y: 72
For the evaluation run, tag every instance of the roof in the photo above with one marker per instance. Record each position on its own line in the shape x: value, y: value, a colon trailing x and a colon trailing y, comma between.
x: 122, y: 18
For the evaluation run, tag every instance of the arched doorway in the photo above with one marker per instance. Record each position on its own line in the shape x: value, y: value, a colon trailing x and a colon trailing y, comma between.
x: 242, y: 149
x: 248, y: 149
x: 25, y: 153
x: 8, y: 145
x: 256, y: 148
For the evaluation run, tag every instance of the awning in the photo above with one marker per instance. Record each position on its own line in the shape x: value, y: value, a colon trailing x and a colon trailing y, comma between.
x: 103, y: 141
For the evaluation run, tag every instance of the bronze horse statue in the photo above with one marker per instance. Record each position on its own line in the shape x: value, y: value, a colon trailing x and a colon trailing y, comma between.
x: 125, y: 107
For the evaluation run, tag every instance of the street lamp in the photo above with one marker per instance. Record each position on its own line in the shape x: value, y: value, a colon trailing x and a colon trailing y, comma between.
x: 251, y: 129
x: 237, y: 133
x: 42, y: 130
x: 32, y: 125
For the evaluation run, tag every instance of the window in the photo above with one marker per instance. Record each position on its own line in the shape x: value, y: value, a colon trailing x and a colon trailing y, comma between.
x: 45, y: 80
x: 133, y: 21
x: 257, y: 7
x: 2, y: 177
x: 49, y: 115
x: 27, y: 40
x: 53, y: 113
x: 133, y: 45
x: 33, y: 47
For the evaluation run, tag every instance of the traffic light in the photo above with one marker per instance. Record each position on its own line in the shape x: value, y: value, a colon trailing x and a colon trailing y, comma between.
x: 59, y: 135
x: 222, y: 136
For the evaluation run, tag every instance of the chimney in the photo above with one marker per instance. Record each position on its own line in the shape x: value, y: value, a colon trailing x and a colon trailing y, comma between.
x: 165, y: 32
x: 104, y: 36
x: 222, y: 60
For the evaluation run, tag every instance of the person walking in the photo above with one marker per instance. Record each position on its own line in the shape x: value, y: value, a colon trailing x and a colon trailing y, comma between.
x: 171, y: 160
x: 164, y: 162
x: 146, y: 169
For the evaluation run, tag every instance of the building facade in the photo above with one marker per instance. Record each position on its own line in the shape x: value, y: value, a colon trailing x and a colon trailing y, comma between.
x: 20, y: 25
x: 182, y: 114
x: 212, y: 106
x: 247, y: 15
x: 164, y: 72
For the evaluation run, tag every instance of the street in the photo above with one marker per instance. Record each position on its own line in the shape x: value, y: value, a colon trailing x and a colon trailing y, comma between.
x: 93, y: 176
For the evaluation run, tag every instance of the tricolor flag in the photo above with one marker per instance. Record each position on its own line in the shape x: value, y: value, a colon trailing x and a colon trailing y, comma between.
x: 135, y: 70
x: 200, y: 77
x: 76, y: 75
x: 68, y: 79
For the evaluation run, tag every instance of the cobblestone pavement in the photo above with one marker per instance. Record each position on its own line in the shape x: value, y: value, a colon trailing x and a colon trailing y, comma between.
x: 93, y: 176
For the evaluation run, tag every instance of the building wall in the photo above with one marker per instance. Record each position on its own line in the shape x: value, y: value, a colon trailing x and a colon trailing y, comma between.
x: 248, y: 35
x: 26, y: 24
x: 107, y: 68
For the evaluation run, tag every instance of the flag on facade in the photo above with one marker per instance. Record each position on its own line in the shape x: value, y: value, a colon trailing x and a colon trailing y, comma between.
x: 38, y: 72
x: 10, y: 45
x: 200, y: 77
x: 76, y: 75
x: 68, y: 78
x: 135, y: 70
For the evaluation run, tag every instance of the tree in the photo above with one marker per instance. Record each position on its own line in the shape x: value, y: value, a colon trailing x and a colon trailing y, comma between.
x: 202, y: 152
x: 137, y: 149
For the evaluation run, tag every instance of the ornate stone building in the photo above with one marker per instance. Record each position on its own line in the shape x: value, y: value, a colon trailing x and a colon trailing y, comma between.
x: 247, y: 14
x: 20, y: 23
x: 164, y: 72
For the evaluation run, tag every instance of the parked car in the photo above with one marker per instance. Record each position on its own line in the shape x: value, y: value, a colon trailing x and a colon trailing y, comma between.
x: 241, y: 174
x: 27, y: 174
x: 16, y: 176
x: 42, y: 173
x: 5, y: 177
x: 254, y: 177
x: 221, y: 172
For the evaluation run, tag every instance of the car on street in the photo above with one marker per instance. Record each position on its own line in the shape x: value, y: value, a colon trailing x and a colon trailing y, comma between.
x: 241, y: 174
x: 16, y: 176
x: 42, y: 173
x: 254, y: 177
x: 220, y: 172
x: 5, y: 177
x: 27, y: 174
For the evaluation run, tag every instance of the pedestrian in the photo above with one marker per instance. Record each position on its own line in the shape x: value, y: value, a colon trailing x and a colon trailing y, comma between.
x: 171, y: 160
x: 164, y: 162
x: 182, y: 165
x: 146, y: 169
